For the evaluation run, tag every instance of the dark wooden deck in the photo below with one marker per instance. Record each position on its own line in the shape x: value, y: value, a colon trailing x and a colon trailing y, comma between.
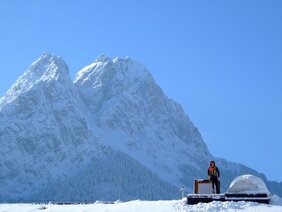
x: 206, y: 198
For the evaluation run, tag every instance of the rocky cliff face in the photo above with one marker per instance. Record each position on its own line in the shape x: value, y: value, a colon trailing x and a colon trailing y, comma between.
x: 124, y: 98
x: 42, y: 127
x: 112, y: 133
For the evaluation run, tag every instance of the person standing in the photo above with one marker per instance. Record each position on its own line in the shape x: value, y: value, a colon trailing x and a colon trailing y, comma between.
x: 214, y: 174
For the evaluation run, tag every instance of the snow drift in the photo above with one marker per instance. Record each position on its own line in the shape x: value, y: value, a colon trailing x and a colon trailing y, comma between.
x: 141, y: 206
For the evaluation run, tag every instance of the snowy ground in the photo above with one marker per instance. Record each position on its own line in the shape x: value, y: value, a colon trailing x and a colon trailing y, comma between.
x: 144, y: 206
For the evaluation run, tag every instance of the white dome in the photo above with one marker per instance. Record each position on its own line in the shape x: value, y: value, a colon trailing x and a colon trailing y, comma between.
x: 249, y: 184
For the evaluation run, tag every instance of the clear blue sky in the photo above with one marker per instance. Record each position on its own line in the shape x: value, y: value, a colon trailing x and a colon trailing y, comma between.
x: 221, y: 60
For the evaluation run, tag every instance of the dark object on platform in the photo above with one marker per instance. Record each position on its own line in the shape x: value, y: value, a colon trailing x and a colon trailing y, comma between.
x: 206, y: 198
x: 260, y: 198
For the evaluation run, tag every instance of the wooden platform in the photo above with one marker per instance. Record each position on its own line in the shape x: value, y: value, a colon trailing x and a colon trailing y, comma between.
x: 206, y: 198
x: 260, y: 198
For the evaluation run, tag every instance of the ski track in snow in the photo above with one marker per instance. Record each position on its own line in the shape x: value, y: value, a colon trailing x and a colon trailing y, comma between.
x: 144, y: 206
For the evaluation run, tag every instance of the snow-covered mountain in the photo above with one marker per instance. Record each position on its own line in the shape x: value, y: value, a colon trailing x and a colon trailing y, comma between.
x: 110, y: 134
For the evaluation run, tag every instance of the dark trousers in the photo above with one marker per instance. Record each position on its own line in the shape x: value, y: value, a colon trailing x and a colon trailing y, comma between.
x: 215, y: 184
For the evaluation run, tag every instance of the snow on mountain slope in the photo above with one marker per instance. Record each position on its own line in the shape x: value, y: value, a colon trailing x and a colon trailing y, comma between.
x: 47, y: 136
x: 111, y: 133
x: 45, y: 68
x: 41, y: 124
x: 123, y: 97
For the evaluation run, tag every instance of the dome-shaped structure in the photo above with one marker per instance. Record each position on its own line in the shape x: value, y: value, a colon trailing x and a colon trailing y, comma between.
x: 248, y: 184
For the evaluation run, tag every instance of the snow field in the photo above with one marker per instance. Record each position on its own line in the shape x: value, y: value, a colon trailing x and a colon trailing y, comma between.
x: 144, y: 206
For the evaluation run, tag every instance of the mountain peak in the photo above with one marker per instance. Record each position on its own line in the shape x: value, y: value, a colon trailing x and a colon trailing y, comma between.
x: 104, y: 70
x: 46, y: 68
x: 46, y: 59
x: 103, y: 58
x: 46, y: 54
